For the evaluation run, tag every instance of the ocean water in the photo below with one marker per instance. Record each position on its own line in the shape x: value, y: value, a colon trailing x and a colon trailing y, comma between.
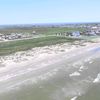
x: 74, y: 81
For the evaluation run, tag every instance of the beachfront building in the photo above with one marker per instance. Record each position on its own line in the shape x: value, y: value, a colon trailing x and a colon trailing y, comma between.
x: 76, y: 34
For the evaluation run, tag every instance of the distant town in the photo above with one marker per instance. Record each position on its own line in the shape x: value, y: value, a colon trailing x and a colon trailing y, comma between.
x: 30, y: 31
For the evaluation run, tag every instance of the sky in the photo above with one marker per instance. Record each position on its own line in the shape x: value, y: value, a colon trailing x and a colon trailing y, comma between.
x: 49, y: 11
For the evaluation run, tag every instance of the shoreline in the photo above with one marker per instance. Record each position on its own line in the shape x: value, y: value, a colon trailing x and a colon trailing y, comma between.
x: 24, y: 57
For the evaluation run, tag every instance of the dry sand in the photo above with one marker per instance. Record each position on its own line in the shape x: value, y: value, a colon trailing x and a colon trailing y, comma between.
x: 24, y: 57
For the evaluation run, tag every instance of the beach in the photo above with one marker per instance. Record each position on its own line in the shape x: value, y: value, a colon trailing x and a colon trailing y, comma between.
x: 57, y: 72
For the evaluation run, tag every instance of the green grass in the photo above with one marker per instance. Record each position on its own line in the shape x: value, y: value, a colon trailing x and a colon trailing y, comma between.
x: 22, y: 45
x: 11, y: 47
x: 51, y: 31
x: 40, y: 30
x: 90, y: 38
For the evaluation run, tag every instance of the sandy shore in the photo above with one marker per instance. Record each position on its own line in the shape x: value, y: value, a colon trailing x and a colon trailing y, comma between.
x: 24, y: 57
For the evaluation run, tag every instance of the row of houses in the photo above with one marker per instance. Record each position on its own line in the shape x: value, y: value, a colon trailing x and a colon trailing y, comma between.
x: 13, y: 36
x: 93, y: 29
x: 75, y: 34
x: 78, y: 34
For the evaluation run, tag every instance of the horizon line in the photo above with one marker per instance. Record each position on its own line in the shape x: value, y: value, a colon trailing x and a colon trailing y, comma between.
x: 50, y: 23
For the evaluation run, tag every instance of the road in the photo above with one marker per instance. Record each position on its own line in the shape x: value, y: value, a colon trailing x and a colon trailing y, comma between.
x: 66, y: 76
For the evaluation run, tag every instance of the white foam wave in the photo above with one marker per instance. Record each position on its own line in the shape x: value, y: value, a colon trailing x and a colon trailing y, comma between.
x: 75, y: 74
x: 97, y: 79
x: 74, y: 98
x: 82, y: 68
